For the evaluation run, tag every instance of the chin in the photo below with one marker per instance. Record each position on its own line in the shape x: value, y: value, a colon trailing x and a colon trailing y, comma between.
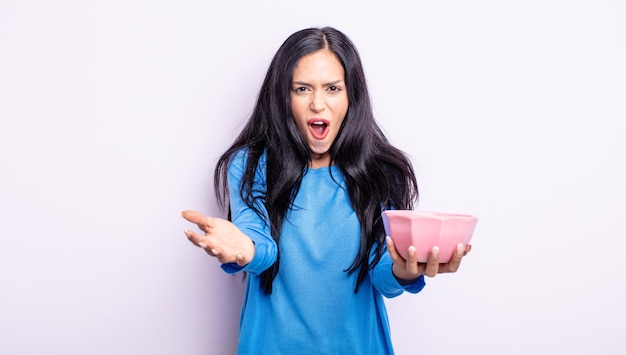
x: 318, y: 152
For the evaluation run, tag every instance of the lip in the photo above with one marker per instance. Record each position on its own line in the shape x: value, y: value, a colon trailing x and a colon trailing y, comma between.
x: 313, y: 124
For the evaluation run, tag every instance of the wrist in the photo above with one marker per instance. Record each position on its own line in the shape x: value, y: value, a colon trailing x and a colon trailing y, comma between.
x: 402, y: 276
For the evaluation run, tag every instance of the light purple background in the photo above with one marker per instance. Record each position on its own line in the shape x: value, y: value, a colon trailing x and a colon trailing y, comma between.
x: 113, y: 114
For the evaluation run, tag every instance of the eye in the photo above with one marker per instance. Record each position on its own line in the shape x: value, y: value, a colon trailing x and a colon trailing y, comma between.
x: 334, y: 89
x: 301, y: 90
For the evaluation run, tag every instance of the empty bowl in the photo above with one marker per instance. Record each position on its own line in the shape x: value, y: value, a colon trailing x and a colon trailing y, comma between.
x: 424, y: 230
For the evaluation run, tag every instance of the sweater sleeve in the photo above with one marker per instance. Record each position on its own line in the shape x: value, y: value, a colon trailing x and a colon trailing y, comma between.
x: 247, y: 220
x: 386, y: 283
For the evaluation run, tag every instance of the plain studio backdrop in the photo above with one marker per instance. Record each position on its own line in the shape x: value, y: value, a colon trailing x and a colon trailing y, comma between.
x: 113, y: 114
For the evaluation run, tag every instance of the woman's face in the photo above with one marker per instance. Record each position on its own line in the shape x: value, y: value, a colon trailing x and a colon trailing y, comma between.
x: 319, y: 102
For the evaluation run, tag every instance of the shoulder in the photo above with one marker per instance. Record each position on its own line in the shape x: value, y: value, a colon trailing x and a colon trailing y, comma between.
x: 239, y: 161
x: 240, y: 158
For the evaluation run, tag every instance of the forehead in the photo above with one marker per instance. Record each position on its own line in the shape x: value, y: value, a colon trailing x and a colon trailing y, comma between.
x: 321, y: 64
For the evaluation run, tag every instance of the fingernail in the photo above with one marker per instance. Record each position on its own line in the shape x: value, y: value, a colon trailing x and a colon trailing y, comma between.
x: 202, y: 245
x: 187, y: 233
x: 460, y: 248
x: 435, y: 251
x: 411, y: 251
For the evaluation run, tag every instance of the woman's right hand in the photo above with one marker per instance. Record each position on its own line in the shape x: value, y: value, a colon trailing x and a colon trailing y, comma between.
x: 221, y: 239
x: 409, y: 270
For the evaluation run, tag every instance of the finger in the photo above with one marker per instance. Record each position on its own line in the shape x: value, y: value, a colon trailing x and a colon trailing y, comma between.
x: 411, y: 261
x: 391, y: 248
x: 195, y: 239
x: 393, y: 253
x: 194, y: 217
x: 455, y: 261
x: 225, y: 257
x: 468, y: 248
x: 432, y: 267
x: 203, y: 222
x: 241, y: 261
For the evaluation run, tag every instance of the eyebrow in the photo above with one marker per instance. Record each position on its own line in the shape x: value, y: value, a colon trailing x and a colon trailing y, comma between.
x: 307, y: 84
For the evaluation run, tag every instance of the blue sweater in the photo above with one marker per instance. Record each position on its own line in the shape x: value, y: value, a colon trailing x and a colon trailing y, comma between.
x: 313, y: 308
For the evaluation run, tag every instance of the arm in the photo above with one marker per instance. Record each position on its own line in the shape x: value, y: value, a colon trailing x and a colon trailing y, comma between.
x: 246, y: 243
x: 408, y: 275
x: 385, y: 281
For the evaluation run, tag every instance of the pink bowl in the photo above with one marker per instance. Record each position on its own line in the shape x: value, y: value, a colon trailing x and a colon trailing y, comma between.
x: 424, y: 230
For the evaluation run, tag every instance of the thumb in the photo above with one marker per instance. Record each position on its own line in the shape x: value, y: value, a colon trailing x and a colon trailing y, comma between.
x: 196, y: 217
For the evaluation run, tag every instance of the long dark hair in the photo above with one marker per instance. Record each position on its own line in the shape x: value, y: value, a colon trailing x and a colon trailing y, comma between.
x: 378, y: 175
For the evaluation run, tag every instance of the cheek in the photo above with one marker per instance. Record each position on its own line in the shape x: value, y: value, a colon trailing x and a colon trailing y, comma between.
x: 342, y: 111
x: 340, y: 105
x: 297, y: 118
x: 297, y: 110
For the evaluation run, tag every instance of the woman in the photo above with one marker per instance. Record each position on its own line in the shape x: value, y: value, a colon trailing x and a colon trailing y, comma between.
x: 305, y: 184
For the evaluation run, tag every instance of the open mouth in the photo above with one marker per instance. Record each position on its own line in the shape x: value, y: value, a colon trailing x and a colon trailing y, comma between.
x: 318, y: 128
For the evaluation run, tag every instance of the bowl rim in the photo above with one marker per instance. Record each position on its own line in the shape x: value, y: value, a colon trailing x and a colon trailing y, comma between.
x: 436, y: 214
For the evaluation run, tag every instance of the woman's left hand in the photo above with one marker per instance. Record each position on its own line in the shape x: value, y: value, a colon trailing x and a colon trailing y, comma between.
x: 410, y: 269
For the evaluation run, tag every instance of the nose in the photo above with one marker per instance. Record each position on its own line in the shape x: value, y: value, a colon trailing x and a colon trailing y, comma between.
x: 317, y: 102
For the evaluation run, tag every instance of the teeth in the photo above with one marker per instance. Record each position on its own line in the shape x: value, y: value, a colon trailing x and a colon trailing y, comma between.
x: 318, y: 123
